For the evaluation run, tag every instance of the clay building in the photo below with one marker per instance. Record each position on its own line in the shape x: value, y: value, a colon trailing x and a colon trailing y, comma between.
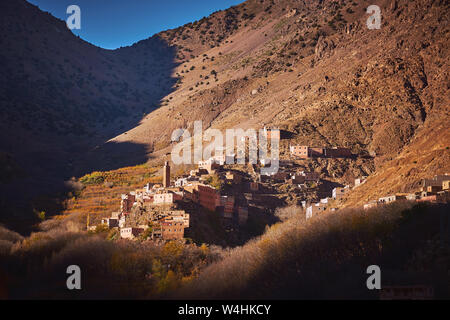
x: 171, y: 230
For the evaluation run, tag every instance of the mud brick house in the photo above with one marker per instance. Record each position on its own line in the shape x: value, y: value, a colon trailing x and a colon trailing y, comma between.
x: 181, y: 182
x: 446, y: 185
x: 191, y: 193
x: 310, y: 176
x: 436, y: 181
x: 127, y: 202
x: 171, y: 230
x: 316, y: 152
x: 339, y: 193
x: 226, y: 204
x: 299, y: 151
x: 111, y: 222
x: 428, y: 198
x: 207, y: 197
x: 178, y: 216
x: 413, y: 196
x: 166, y: 198
x: 130, y: 233
x: 315, y: 209
x: 209, y: 165
x: 442, y: 177
x: 440, y: 197
x: 433, y: 189
x: 392, y: 198
x: 305, y: 152
x: 337, y: 152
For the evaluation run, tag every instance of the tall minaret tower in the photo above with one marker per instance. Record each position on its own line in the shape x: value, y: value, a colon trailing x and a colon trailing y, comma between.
x: 166, y: 175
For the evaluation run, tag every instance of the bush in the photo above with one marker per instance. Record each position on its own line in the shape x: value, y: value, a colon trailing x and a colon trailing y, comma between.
x: 93, y: 178
x: 326, y: 257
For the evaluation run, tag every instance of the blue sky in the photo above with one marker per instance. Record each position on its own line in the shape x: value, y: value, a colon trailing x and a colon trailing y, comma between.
x: 114, y: 23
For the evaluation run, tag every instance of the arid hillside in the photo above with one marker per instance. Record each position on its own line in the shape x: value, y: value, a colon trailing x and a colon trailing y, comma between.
x: 315, y: 69
x: 312, y: 68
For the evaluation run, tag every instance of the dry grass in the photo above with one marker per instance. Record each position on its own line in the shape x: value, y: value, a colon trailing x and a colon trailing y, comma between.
x: 36, y: 266
x: 326, y: 257
x: 322, y: 258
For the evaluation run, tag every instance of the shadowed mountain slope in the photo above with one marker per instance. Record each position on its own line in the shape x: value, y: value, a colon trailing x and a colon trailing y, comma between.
x: 62, y: 98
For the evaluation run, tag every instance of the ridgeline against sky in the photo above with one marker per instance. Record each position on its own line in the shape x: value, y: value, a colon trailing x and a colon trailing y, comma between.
x: 113, y: 24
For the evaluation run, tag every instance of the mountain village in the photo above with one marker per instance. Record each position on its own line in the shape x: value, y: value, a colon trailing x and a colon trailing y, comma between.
x: 163, y: 211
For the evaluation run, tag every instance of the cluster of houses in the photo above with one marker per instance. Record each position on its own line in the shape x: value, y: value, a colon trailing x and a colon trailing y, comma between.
x: 166, y: 222
x: 162, y: 201
x: 282, y: 176
x: 436, y: 190
x: 337, y: 194
x: 305, y: 152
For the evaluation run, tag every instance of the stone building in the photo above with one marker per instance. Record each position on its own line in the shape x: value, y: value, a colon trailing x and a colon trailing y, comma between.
x: 315, y: 209
x: 207, y: 197
x: 127, y: 202
x: 172, y: 230
x: 166, y: 198
x: 391, y: 198
x: 130, y: 233
x: 339, y: 193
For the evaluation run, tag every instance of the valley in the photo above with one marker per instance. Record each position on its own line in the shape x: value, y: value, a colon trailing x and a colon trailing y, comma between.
x: 87, y: 139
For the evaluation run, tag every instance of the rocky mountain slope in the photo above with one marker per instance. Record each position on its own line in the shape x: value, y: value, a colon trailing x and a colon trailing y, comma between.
x: 60, y: 97
x: 313, y: 68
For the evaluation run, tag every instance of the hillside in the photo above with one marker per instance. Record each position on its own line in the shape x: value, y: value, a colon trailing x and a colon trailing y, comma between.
x: 322, y: 258
x: 312, y: 68
x: 82, y: 125
x: 279, y: 69
x: 61, y: 97
x: 327, y: 258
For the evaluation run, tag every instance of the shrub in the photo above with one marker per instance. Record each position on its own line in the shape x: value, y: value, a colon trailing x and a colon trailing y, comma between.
x: 326, y: 257
x: 93, y: 178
